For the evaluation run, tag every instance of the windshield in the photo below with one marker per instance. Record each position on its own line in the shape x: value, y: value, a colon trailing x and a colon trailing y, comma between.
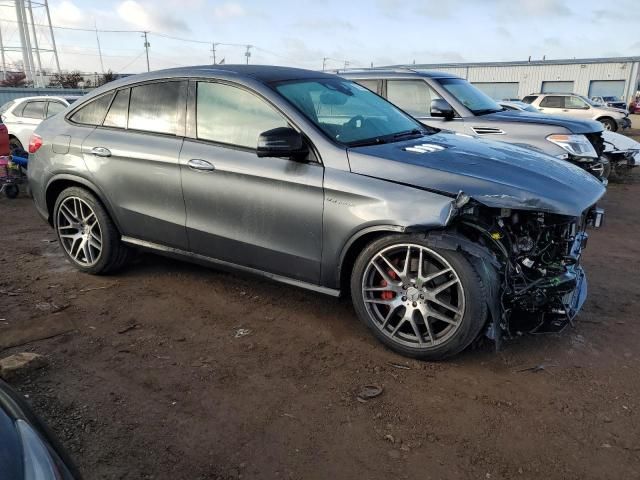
x: 348, y: 112
x: 611, y: 99
x: 589, y: 101
x: 471, y: 97
x: 6, y: 106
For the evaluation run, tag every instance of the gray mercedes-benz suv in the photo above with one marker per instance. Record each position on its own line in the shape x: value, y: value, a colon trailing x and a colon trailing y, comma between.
x: 315, y: 181
x: 443, y: 100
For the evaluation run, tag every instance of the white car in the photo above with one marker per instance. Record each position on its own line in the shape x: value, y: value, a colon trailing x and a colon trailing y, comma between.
x: 579, y: 106
x: 23, y: 115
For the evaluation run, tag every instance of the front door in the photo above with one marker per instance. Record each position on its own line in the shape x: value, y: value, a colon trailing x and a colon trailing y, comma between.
x: 263, y: 213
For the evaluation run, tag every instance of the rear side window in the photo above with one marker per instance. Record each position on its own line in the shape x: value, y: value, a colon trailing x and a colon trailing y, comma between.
x: 55, y: 108
x: 232, y: 115
x: 154, y: 107
x: 552, y: 102
x: 369, y: 84
x: 412, y: 96
x: 34, y: 110
x: 529, y: 99
x: 117, y: 116
x: 93, y: 112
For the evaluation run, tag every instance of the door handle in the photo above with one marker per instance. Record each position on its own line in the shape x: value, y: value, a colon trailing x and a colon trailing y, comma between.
x: 101, y: 152
x: 565, y: 110
x: 200, y: 165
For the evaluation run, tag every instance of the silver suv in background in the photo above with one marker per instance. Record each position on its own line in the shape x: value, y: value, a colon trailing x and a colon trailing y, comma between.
x: 579, y: 106
x: 23, y: 115
x: 449, y: 102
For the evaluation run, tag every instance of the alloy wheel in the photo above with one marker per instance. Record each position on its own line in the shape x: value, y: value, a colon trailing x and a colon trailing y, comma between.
x: 414, y: 295
x: 79, y: 231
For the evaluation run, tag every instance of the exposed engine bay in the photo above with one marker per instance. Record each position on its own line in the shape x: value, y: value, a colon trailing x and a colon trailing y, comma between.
x: 540, y: 283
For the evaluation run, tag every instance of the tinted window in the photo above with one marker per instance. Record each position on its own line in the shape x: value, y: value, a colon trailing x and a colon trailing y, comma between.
x: 529, y: 98
x: 34, y: 110
x: 117, y: 116
x: 54, y: 108
x: 471, y: 97
x: 231, y: 115
x: 154, y: 107
x: 552, y: 102
x: 93, y: 112
x: 413, y: 96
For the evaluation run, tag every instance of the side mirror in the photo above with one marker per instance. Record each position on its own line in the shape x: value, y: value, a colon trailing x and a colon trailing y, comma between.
x: 441, y: 108
x: 282, y: 142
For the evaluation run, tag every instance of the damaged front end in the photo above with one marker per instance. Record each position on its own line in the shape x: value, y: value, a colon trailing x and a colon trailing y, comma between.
x: 530, y: 264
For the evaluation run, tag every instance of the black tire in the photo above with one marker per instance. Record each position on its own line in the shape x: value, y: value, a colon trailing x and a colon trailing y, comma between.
x: 475, y: 306
x: 114, y: 254
x: 15, y: 145
x: 609, y: 124
x: 11, y: 191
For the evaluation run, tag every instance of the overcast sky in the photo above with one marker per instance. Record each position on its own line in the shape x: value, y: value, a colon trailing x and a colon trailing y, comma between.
x: 300, y: 33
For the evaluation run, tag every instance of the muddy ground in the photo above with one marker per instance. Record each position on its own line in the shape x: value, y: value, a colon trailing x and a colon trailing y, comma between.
x: 174, y: 371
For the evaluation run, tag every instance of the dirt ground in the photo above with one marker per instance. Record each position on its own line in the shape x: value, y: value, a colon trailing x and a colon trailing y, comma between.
x: 174, y: 371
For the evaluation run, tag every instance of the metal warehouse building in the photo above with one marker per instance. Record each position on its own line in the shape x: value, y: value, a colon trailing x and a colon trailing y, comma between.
x: 590, y: 76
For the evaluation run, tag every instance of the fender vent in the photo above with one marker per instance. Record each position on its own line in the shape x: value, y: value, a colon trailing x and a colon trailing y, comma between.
x: 425, y: 148
x: 487, y: 131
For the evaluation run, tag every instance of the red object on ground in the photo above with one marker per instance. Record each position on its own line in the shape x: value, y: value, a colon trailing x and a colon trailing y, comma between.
x: 4, y: 140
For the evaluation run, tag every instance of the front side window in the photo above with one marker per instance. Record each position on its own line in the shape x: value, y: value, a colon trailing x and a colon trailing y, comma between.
x: 347, y: 112
x: 117, y: 115
x: 154, y: 107
x: 575, y: 102
x: 552, y: 101
x: 34, y: 110
x: 413, y: 96
x: 93, y: 112
x: 55, y: 108
x: 471, y: 97
x: 231, y: 115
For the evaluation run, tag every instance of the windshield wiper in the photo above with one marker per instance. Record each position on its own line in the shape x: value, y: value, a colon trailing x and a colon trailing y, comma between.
x: 367, y: 141
x: 409, y: 133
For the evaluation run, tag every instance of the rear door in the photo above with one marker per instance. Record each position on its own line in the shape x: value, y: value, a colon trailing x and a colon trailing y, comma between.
x: 133, y: 156
x: 263, y: 213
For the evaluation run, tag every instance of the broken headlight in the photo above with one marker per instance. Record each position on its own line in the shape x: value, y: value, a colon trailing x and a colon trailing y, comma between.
x: 577, y: 145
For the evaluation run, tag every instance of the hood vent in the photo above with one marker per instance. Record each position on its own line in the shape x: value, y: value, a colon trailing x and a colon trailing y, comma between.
x: 425, y: 148
x: 487, y: 131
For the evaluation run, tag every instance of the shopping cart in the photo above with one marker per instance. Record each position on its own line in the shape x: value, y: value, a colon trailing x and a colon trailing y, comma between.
x: 12, y: 174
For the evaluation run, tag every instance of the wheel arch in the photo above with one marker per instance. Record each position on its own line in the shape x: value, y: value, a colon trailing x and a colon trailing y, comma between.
x: 61, y: 182
x: 611, y: 119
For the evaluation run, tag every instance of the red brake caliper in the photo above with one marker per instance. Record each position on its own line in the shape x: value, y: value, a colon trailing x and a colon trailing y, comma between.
x: 387, y: 295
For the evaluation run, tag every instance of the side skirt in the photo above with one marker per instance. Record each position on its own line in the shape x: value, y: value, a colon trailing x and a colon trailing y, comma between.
x: 197, y: 258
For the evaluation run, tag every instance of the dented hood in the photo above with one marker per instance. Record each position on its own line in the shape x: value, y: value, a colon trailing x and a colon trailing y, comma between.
x: 495, y: 174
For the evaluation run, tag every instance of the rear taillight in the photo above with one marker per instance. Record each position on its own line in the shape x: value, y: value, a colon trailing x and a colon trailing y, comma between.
x: 35, y: 143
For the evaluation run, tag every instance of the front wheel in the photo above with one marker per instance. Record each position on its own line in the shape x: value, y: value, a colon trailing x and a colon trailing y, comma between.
x: 87, y: 234
x: 608, y: 124
x: 420, y: 301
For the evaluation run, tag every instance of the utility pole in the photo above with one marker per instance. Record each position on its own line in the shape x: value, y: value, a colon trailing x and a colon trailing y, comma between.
x: 95, y: 24
x: 35, y: 43
x: 213, y: 51
x: 146, y: 47
x: 53, y: 38
x: 346, y: 64
x: 23, y: 32
x: 324, y: 63
x: 248, y: 53
x: 2, y: 59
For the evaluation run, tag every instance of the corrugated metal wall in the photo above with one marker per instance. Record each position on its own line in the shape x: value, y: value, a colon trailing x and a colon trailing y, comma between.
x: 8, y: 93
x: 530, y: 77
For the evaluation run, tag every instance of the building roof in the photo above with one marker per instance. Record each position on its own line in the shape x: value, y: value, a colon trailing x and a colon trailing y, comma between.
x: 567, y: 61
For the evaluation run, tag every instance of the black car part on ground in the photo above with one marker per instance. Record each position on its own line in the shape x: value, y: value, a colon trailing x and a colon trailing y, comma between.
x: 621, y: 161
x: 27, y: 445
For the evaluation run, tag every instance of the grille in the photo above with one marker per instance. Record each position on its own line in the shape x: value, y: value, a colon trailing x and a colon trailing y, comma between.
x: 597, y: 141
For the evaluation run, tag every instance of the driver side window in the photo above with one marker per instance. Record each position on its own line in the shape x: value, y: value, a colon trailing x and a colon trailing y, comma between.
x: 233, y: 116
x: 412, y: 96
x: 575, y: 102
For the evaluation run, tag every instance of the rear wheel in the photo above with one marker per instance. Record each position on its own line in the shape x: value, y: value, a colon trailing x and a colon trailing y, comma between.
x: 420, y: 301
x: 15, y: 145
x: 87, y: 234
